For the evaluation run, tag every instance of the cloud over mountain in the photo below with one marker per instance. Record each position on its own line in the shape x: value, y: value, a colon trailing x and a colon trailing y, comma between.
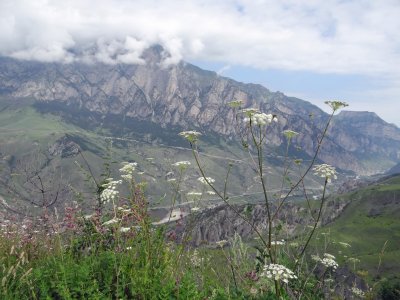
x: 328, y: 36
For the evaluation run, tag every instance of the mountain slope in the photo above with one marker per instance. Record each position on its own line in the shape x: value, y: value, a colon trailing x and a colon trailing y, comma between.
x: 184, y: 96
x: 369, y: 223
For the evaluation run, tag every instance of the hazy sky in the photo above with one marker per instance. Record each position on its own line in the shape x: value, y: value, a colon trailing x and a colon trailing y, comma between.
x: 316, y: 50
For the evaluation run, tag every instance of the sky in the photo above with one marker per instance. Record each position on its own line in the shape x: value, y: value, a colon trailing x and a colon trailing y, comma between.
x: 316, y: 50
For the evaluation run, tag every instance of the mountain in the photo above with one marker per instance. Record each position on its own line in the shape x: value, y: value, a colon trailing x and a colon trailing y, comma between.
x: 184, y: 96
x: 395, y: 169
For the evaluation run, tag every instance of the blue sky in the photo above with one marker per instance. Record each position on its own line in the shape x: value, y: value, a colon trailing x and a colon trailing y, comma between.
x: 315, y: 50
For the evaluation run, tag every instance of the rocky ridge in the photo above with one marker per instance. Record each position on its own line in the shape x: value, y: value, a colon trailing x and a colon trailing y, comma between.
x: 188, y: 97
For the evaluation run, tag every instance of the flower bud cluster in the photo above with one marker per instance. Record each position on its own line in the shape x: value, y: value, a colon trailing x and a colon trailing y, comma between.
x: 289, y: 134
x: 335, y: 105
x: 260, y: 119
x: 235, y: 103
x: 278, y: 272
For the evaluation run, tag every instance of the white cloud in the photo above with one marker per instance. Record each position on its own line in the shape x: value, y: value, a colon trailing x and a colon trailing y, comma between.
x: 223, y: 69
x: 330, y: 36
x: 323, y: 36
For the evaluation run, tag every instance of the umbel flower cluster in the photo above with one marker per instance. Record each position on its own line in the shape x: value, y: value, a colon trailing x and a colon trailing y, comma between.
x: 127, y: 171
x: 192, y: 136
x: 358, y: 292
x: 204, y: 181
x: 328, y: 260
x: 258, y: 118
x: 110, y: 190
x: 325, y: 171
x: 182, y: 164
x: 278, y: 272
x: 336, y: 105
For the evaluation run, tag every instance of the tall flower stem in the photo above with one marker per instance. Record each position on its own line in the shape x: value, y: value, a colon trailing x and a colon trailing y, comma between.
x: 315, y: 223
x: 223, y: 196
x: 293, y: 187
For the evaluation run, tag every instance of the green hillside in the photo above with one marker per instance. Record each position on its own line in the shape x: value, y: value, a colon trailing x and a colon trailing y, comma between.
x: 28, y: 133
x: 370, y: 224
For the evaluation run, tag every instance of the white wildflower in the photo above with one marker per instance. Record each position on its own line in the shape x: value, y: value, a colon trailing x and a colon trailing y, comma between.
x: 111, y: 222
x: 329, y: 261
x: 88, y: 217
x: 128, y: 167
x: 181, y: 164
x: 335, y: 105
x: 192, y: 136
x: 258, y: 118
x: 249, y: 112
x: 124, y: 209
x: 289, y: 134
x: 127, y: 170
x: 278, y: 272
x: 330, y: 256
x: 345, y: 245
x: 315, y: 257
x: 356, y: 291
x: 325, y: 171
x: 110, y: 193
x: 124, y: 229
x: 210, y: 193
x: 127, y: 177
x: 204, y: 180
x: 278, y: 243
x: 194, y: 194
x: 221, y: 243
x: 196, y: 259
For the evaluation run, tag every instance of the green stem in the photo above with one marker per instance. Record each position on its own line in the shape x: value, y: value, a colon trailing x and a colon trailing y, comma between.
x: 309, y: 167
x: 315, y: 223
x: 223, y: 197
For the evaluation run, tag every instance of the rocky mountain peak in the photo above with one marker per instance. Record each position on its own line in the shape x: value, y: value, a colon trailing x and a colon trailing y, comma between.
x: 154, y: 55
x: 187, y: 97
x: 360, y: 116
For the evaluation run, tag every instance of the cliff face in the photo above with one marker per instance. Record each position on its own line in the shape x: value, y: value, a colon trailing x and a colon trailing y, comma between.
x: 221, y: 223
x: 186, y: 96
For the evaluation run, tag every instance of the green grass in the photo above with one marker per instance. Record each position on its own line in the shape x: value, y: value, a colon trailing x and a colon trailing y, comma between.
x: 370, y: 224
